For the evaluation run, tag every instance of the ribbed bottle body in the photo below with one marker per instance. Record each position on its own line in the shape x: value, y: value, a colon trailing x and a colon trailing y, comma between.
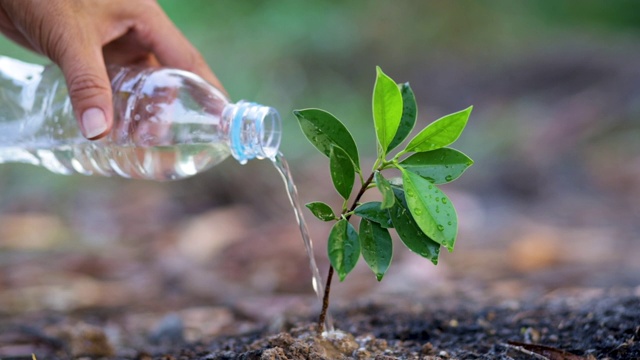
x: 168, y: 124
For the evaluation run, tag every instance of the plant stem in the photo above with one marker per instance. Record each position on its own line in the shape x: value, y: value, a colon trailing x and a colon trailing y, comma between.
x: 327, y: 287
x: 360, y: 193
x: 325, y: 301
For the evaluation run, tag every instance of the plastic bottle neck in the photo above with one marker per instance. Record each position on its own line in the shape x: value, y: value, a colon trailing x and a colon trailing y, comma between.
x: 254, y: 130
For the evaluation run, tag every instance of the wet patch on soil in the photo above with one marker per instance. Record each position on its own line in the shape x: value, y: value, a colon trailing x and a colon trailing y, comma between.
x: 607, y: 326
x: 577, y: 326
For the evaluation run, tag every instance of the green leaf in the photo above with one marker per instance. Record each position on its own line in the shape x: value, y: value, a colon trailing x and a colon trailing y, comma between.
x: 342, y: 171
x: 440, y: 133
x: 323, y: 129
x: 387, y: 109
x: 409, y: 115
x: 409, y: 231
x: 385, y: 189
x: 321, y: 210
x: 438, y: 166
x: 343, y: 248
x: 376, y: 247
x: 372, y: 212
x: 431, y: 209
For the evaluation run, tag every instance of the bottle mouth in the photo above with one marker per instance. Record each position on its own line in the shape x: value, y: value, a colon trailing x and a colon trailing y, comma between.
x: 256, y: 131
x: 270, y: 133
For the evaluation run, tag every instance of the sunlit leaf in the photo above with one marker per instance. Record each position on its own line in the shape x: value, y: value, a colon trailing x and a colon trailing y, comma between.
x: 343, y: 248
x: 387, y: 109
x: 373, y: 212
x: 440, y: 133
x: 409, y: 231
x: 409, y: 115
x: 431, y: 209
x: 321, y: 210
x: 376, y: 247
x: 438, y: 166
x: 323, y: 129
x: 342, y: 171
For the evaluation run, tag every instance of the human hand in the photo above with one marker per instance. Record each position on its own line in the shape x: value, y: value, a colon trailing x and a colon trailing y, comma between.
x: 82, y: 36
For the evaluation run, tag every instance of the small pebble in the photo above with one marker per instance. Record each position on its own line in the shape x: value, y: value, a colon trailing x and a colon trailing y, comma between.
x: 427, y: 349
x: 169, y: 330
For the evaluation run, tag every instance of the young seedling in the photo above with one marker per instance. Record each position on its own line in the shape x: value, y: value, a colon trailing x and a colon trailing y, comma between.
x: 421, y: 214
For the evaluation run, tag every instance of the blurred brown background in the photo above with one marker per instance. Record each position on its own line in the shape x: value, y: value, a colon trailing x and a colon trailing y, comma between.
x: 552, y: 202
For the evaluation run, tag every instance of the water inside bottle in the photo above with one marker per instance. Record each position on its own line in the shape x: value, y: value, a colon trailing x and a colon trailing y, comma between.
x: 154, y: 163
x: 316, y: 280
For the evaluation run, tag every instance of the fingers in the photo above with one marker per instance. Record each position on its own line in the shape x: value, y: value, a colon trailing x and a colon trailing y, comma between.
x: 127, y: 50
x: 172, y: 49
x: 8, y: 29
x: 89, y: 89
x: 79, y: 36
x: 55, y: 29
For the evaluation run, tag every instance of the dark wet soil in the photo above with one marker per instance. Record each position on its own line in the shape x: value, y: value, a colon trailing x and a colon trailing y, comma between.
x: 606, y: 326
x: 584, y: 324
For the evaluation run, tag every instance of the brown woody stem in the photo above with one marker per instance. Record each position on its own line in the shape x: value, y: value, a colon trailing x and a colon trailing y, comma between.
x: 327, y: 287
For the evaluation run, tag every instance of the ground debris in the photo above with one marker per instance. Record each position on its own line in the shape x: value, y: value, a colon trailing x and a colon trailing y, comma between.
x: 566, y: 328
x: 542, y: 352
x: 562, y: 326
x: 83, y: 339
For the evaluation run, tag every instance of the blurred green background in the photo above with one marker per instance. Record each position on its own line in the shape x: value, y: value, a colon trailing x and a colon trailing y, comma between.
x: 555, y: 134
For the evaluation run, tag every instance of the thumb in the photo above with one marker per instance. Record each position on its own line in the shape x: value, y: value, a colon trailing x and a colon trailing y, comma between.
x: 89, y: 89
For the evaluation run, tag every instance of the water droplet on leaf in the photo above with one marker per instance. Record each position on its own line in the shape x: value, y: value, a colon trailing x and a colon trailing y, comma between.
x: 440, y: 227
x: 448, y: 178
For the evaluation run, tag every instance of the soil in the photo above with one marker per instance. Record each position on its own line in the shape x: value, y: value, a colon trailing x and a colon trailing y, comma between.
x: 603, y: 327
x: 580, y: 324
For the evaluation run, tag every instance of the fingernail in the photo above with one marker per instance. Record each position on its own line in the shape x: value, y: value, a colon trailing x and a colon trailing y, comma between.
x: 94, y: 123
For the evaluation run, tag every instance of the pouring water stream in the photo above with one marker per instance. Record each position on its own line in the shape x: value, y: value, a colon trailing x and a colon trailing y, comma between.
x: 283, y: 168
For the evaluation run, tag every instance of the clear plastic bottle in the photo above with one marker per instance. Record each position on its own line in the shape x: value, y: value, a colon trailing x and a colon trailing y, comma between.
x: 168, y: 124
